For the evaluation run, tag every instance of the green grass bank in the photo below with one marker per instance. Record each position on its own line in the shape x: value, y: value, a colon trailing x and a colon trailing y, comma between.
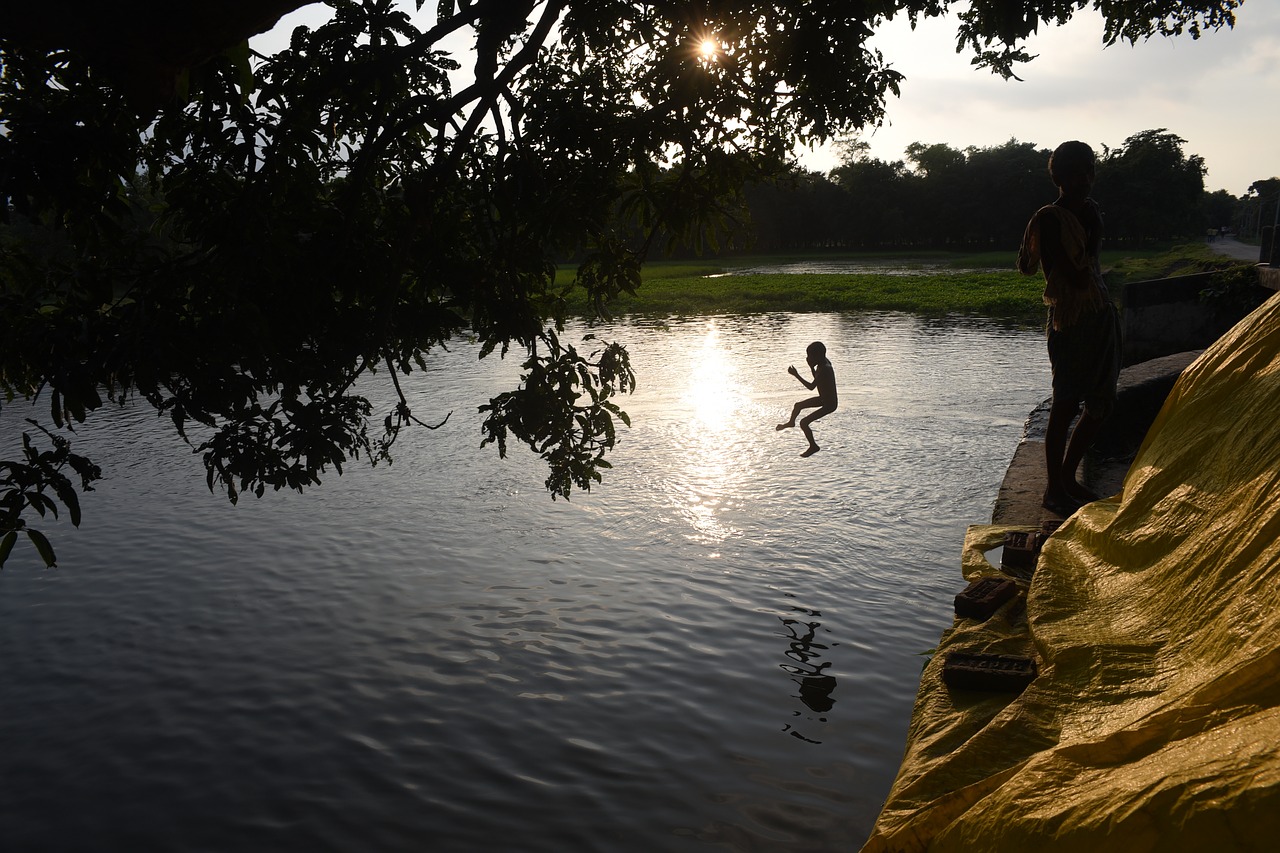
x: 954, y: 284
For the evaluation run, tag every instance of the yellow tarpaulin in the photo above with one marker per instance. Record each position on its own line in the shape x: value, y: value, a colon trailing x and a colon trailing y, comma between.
x: 1154, y: 617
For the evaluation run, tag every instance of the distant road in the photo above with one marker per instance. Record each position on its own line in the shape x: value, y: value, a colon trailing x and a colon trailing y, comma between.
x: 1235, y: 249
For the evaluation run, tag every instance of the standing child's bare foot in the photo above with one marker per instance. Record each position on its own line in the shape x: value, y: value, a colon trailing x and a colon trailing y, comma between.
x: 784, y: 426
x: 1081, y: 494
x: 1060, y: 503
x: 813, y: 448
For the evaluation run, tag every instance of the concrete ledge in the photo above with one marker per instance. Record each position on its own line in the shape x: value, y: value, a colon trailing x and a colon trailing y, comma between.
x: 1167, y: 291
x: 1168, y: 316
x: 1018, y: 501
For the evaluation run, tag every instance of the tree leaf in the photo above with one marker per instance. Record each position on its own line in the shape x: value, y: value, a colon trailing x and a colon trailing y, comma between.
x: 6, y: 545
x: 67, y: 494
x: 42, y: 545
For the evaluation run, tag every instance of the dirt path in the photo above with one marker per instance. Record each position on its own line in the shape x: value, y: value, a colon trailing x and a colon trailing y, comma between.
x: 1233, y: 248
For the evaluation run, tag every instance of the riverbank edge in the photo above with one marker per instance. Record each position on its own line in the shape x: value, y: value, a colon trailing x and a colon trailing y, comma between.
x: 1140, y: 393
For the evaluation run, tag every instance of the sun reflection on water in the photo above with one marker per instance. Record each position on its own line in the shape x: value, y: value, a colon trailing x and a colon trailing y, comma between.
x: 714, y: 393
x: 715, y: 457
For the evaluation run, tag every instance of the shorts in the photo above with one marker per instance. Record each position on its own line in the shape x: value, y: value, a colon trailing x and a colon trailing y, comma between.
x: 1085, y: 358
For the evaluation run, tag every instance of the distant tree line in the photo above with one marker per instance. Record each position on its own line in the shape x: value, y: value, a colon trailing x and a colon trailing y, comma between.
x: 940, y: 197
x: 1256, y: 211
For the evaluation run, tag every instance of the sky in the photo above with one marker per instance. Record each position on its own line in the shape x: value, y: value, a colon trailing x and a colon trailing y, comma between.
x: 1219, y: 92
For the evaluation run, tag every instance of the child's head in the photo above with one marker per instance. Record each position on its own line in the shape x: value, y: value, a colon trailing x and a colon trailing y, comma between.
x: 815, y: 352
x: 1071, y: 166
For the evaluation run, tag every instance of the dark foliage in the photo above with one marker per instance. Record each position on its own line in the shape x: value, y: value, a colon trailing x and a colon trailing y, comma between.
x: 244, y: 256
x: 980, y: 198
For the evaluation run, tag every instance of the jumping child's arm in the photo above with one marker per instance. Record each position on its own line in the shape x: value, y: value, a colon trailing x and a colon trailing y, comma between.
x: 805, y: 382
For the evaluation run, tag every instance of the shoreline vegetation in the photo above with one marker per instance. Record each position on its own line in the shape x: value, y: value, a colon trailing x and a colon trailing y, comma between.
x: 947, y: 283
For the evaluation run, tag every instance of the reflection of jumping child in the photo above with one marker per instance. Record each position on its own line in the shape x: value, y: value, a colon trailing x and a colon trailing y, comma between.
x: 824, y: 380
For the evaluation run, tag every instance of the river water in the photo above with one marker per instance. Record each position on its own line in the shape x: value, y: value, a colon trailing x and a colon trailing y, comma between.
x: 717, y: 649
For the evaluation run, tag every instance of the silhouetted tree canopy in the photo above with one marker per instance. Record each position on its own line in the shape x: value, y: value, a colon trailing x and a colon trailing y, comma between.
x: 245, y: 247
x: 1151, y: 188
x: 979, y: 198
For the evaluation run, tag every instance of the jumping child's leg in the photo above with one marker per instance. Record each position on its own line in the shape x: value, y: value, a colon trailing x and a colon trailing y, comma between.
x: 797, y: 409
x: 808, y: 433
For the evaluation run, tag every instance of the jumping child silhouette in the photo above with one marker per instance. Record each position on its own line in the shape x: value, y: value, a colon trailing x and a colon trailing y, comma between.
x: 824, y: 380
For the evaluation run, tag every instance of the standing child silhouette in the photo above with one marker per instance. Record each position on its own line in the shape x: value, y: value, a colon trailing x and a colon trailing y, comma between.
x: 1063, y: 239
x: 824, y: 381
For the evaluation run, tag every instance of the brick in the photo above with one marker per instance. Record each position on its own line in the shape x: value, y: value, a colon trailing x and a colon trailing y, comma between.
x: 1021, y: 549
x: 983, y: 597
x: 1000, y: 673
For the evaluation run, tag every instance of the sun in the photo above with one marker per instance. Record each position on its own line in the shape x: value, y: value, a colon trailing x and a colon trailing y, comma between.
x: 708, y: 48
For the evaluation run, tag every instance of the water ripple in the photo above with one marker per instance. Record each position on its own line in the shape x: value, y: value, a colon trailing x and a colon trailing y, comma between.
x: 716, y: 648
